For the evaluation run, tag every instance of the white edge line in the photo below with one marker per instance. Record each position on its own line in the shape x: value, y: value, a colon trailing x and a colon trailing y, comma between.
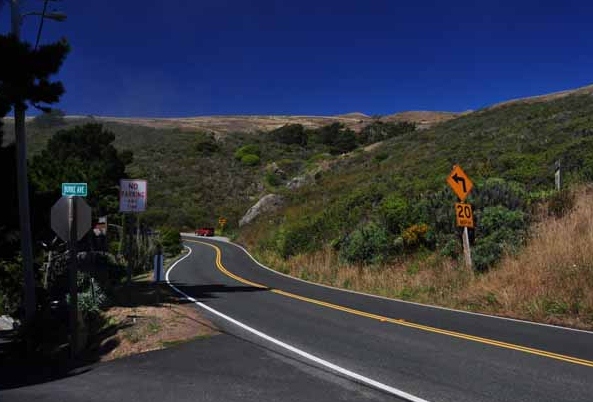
x: 400, y: 300
x: 302, y: 353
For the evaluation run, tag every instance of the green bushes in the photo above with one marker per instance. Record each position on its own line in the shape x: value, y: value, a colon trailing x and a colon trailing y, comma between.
x: 250, y: 149
x: 395, y: 210
x: 250, y: 160
x: 500, y: 229
x: 368, y: 245
x: 299, y: 237
x: 91, y: 296
x: 206, y: 145
x: 416, y: 236
x: 170, y: 240
x: 248, y: 154
x: 336, y: 137
x: 290, y: 134
x: 379, y: 131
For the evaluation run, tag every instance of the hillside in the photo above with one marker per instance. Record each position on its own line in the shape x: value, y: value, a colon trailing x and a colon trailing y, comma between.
x: 371, y: 208
x: 251, y: 124
x: 390, y: 210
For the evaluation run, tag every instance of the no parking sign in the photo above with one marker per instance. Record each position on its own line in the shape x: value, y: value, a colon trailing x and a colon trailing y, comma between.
x: 132, y: 195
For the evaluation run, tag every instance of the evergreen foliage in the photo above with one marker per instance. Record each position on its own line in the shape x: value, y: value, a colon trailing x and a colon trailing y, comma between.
x: 82, y: 154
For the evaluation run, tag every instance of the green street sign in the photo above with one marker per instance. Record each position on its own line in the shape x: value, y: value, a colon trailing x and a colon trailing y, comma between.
x: 74, y: 189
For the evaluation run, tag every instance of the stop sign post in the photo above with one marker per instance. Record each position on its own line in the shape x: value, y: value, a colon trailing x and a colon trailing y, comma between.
x: 71, y: 220
x: 71, y: 214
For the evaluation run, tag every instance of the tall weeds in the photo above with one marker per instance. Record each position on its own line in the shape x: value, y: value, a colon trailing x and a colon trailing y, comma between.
x: 550, y: 280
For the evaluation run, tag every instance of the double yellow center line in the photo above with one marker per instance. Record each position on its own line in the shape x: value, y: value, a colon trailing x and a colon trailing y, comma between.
x: 506, y: 345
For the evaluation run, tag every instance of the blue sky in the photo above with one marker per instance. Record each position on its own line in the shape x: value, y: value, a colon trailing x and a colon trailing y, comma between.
x: 187, y: 58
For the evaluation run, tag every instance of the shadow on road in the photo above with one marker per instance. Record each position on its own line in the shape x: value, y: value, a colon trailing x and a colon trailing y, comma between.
x: 50, y: 360
x: 204, y: 292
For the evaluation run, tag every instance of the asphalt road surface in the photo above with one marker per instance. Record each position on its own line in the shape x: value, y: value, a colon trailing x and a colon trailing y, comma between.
x: 289, y: 340
x: 421, y: 352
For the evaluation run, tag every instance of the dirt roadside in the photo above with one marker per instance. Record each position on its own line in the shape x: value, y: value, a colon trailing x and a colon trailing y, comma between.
x: 143, y: 318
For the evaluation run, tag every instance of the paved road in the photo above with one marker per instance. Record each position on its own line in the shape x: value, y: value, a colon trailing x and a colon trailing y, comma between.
x: 224, y: 368
x: 432, y: 354
x: 288, y: 340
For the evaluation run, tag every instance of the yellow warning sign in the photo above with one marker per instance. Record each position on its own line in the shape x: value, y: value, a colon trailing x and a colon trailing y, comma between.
x: 464, y: 215
x: 459, y: 182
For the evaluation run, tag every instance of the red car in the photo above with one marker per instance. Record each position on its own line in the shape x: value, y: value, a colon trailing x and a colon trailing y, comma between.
x: 205, y: 232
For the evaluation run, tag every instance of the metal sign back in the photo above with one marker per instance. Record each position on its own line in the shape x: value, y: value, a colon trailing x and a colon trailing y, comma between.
x: 60, y: 216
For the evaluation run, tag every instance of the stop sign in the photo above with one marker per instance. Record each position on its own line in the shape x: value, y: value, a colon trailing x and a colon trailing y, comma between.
x: 60, y: 215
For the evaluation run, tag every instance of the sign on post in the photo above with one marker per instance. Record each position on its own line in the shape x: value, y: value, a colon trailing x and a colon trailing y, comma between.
x: 132, y: 195
x: 459, y: 182
x: 464, y: 215
x: 60, y: 218
x: 462, y: 185
x: 74, y: 189
x: 71, y: 220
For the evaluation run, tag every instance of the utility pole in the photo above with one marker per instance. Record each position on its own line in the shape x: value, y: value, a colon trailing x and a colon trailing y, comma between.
x: 23, y: 185
x: 21, y: 165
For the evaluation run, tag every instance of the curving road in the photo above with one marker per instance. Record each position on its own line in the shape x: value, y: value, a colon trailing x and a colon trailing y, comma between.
x: 407, y: 350
x: 288, y: 340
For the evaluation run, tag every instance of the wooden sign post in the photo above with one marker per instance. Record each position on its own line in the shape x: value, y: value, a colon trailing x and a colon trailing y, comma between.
x: 462, y: 185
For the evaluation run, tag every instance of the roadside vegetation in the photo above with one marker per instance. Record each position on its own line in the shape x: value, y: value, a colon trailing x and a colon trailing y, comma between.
x: 383, y: 219
x: 366, y: 210
x: 549, y: 280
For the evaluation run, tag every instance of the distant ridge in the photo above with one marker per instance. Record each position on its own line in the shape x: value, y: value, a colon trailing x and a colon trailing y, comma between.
x: 586, y: 90
x: 223, y: 124
x: 227, y: 124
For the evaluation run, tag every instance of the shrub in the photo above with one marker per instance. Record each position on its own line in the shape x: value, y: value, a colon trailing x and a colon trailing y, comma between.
x: 250, y: 159
x: 499, y: 229
x: 245, y: 150
x: 273, y: 179
x: 299, y: 237
x: 91, y: 296
x: 379, y: 131
x: 290, y: 134
x: 395, y: 210
x: 496, y: 191
x: 368, y: 244
x: 206, y: 145
x: 486, y: 254
x: 497, y: 220
x: 170, y: 240
x: 415, y: 235
x: 380, y: 157
x: 344, y: 142
x: 338, y: 138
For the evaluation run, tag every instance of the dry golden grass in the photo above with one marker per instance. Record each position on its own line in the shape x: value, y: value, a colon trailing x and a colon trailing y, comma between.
x: 550, y: 281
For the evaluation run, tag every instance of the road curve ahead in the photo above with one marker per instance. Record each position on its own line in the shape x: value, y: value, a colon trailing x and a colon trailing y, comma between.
x: 416, y: 352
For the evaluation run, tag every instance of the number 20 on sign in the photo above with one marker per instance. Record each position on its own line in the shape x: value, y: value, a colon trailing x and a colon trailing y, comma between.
x: 464, y: 215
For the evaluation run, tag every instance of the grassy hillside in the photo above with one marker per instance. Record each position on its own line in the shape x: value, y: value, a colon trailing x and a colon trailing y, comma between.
x: 389, y: 209
x: 382, y: 211
x: 189, y: 182
x: 509, y: 152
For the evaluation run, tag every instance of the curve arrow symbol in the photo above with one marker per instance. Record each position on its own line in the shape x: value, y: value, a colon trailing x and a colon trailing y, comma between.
x: 458, y: 179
